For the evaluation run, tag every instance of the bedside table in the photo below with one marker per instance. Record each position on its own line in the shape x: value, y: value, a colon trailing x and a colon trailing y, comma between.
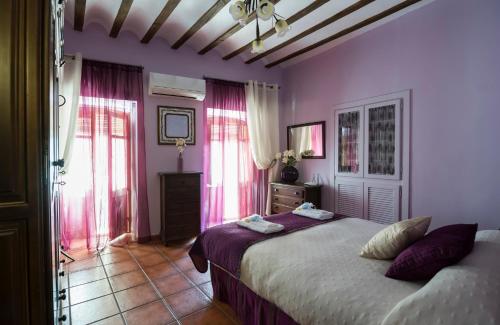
x: 287, y: 197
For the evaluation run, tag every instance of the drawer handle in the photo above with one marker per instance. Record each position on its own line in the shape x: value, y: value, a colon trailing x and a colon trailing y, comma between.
x: 276, y: 190
x: 297, y: 202
x: 276, y: 199
x: 297, y: 193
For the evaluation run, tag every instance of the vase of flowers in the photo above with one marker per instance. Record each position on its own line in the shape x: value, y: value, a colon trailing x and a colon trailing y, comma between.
x: 181, y: 146
x: 289, y: 174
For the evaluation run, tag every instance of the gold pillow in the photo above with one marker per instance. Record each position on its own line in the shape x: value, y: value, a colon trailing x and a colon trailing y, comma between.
x: 392, y: 240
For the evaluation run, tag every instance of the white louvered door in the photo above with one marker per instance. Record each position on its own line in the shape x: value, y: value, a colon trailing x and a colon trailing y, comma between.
x: 349, y: 198
x: 382, y: 202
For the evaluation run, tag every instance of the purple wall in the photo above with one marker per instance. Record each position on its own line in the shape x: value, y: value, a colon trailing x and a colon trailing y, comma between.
x: 157, y: 56
x: 448, y: 53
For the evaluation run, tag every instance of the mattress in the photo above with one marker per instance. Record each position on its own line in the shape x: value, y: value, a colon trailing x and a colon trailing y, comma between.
x: 316, y: 275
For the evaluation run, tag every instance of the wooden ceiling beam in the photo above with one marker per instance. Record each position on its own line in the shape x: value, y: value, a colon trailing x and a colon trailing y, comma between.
x: 205, y: 18
x: 231, y: 31
x: 346, y: 31
x: 120, y: 17
x: 79, y: 14
x: 302, y: 13
x: 341, y: 14
x: 160, y: 20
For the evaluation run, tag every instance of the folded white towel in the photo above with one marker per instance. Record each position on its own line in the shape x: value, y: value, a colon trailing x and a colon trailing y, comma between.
x: 260, y: 225
x: 305, y: 206
x: 314, y: 214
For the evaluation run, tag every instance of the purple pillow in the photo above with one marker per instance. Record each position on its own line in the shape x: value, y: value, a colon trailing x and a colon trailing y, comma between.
x: 439, y: 248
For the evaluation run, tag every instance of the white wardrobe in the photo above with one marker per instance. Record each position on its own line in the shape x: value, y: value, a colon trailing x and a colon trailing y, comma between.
x: 371, y: 163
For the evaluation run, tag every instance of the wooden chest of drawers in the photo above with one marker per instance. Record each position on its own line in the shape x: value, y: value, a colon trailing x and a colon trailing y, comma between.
x: 286, y: 197
x: 180, y: 205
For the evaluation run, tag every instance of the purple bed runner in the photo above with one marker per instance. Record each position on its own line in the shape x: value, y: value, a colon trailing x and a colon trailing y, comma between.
x: 225, y: 245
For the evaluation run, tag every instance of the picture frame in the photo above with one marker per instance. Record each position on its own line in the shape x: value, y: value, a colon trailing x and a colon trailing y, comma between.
x: 175, y: 123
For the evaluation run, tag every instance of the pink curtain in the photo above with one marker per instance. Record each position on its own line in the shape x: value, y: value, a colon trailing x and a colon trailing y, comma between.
x: 317, y: 139
x: 105, y: 193
x: 233, y: 187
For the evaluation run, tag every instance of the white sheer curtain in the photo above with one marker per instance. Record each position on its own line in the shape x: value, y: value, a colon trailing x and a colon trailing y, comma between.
x: 263, y: 127
x: 302, y: 139
x: 68, y: 113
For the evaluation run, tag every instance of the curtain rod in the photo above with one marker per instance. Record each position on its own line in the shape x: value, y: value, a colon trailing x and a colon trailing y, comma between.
x: 72, y: 56
x: 240, y: 82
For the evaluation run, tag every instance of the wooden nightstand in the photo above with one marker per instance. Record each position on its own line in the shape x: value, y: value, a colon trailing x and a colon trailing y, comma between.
x: 286, y: 197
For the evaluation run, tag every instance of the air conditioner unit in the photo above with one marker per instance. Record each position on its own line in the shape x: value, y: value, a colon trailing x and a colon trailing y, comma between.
x: 176, y: 86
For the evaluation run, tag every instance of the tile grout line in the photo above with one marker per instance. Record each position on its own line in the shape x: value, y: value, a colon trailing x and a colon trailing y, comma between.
x: 134, y: 286
x: 157, y: 291
x: 195, y: 285
x: 112, y: 292
x: 186, y: 278
x: 105, y: 274
x: 156, y: 249
x: 175, y: 266
x: 182, y: 272
x: 98, y: 254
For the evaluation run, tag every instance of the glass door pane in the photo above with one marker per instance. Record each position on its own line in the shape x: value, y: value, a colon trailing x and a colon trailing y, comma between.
x: 349, y: 142
x: 382, y: 140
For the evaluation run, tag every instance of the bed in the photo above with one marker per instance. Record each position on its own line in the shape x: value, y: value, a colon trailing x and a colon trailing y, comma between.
x: 314, y: 275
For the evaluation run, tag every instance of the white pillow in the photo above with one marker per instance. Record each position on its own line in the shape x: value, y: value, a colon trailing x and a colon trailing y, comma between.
x: 392, y: 240
x: 462, y: 294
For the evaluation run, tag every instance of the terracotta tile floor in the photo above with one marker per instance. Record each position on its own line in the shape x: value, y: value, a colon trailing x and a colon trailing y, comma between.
x: 141, y: 284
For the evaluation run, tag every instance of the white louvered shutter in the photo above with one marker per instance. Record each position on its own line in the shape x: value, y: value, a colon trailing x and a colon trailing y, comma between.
x: 349, y: 198
x: 382, y: 202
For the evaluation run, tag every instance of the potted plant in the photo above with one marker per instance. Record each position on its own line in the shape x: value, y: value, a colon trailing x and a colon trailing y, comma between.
x: 181, y: 146
x: 289, y: 174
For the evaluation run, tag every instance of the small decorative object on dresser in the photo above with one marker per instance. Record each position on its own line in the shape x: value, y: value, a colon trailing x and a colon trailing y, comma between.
x: 180, y: 205
x: 289, y: 174
x: 181, y: 146
x: 287, y: 197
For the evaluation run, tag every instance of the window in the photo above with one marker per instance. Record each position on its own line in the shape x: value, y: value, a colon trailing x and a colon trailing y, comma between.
x: 231, y: 167
x: 100, y: 163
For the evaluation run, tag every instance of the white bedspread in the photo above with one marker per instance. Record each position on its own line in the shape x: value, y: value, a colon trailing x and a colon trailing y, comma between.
x: 466, y: 293
x: 316, y: 275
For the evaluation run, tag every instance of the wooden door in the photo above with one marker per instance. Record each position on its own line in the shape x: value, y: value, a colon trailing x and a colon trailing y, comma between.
x: 24, y: 99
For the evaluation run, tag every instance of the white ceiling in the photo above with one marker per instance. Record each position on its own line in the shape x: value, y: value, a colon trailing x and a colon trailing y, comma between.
x: 143, y: 13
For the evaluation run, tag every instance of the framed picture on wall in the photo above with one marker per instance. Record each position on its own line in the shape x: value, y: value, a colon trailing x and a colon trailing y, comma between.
x: 174, y: 123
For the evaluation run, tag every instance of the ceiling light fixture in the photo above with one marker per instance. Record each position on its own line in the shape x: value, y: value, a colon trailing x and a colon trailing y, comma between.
x: 265, y: 11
